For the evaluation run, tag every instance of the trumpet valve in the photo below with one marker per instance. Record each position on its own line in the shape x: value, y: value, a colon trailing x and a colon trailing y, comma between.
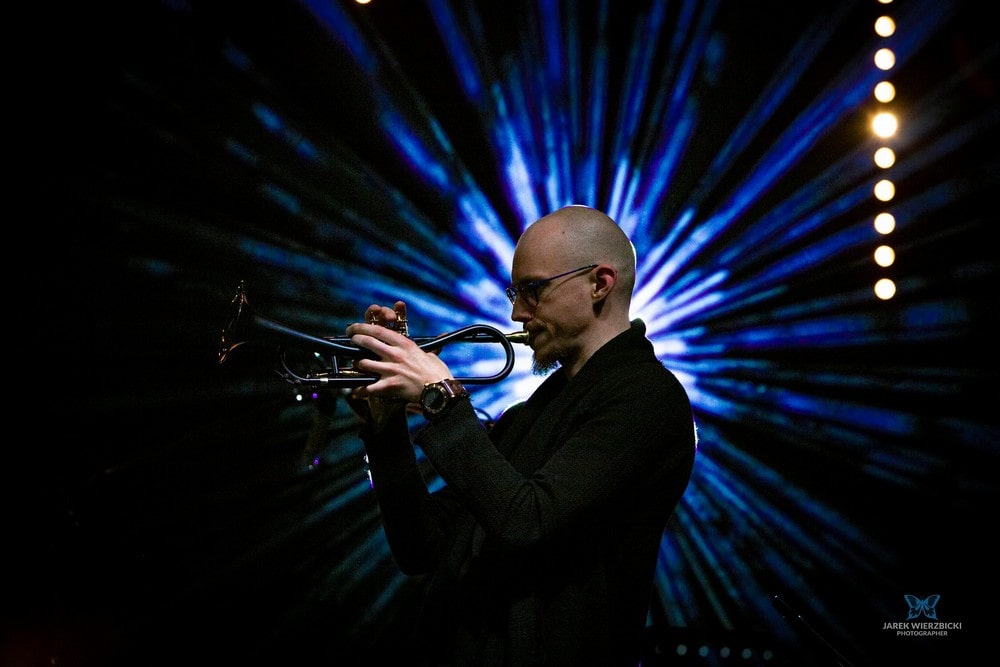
x: 401, y: 325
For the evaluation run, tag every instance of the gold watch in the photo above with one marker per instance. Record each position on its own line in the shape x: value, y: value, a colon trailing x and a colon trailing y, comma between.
x: 438, y: 397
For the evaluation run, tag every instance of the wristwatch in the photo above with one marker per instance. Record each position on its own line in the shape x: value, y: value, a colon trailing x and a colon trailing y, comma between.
x: 438, y: 397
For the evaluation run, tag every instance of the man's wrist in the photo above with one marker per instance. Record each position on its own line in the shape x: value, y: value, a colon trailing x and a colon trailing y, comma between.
x: 437, y: 398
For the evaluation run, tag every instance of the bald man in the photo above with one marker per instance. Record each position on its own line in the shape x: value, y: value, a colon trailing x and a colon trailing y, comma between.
x: 542, y: 544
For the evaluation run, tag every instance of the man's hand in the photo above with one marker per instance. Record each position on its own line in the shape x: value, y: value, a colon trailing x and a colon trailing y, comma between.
x: 401, y: 366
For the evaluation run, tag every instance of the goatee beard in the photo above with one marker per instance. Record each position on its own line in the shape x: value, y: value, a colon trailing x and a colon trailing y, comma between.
x: 544, y: 365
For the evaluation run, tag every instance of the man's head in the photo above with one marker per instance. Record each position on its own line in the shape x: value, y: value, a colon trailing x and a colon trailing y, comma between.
x: 587, y: 303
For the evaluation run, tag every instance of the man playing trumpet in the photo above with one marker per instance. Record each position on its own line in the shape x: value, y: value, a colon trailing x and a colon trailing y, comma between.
x: 541, y: 546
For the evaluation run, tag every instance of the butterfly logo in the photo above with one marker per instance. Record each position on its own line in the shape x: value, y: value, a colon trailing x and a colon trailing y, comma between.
x: 925, y: 606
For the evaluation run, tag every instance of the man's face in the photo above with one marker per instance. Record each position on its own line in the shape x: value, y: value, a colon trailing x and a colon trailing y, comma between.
x: 562, y: 311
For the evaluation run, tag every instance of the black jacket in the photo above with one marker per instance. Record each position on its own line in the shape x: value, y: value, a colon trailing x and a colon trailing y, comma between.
x: 542, y: 545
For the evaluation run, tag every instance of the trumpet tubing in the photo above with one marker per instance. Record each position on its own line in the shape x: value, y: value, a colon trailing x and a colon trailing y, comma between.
x: 334, y: 358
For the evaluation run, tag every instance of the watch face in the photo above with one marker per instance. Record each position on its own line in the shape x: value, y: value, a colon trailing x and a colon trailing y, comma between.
x: 434, y: 399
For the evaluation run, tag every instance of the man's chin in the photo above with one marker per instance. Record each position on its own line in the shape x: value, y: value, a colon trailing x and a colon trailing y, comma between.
x: 542, y: 364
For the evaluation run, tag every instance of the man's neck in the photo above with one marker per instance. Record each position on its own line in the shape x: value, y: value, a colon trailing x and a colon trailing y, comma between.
x: 599, y: 337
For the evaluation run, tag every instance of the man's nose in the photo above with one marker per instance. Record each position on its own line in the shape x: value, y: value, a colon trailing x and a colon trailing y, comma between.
x: 520, y: 312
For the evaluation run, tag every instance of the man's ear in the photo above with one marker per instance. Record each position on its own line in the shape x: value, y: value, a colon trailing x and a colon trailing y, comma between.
x: 605, y: 277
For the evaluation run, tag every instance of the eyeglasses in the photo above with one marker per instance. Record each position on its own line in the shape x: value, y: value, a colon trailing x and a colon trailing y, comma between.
x: 529, y: 291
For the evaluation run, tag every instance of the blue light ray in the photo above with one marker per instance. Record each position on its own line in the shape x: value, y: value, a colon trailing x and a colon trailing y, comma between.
x: 791, y: 71
x: 341, y: 26
x: 681, y: 111
x: 421, y: 141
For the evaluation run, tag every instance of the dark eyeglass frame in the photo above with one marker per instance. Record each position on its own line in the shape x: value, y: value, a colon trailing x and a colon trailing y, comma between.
x: 529, y: 291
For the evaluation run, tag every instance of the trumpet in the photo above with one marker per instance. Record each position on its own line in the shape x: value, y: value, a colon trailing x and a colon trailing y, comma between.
x: 329, y: 362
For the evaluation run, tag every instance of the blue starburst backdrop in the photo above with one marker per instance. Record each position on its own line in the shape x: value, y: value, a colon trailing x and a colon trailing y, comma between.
x: 333, y: 155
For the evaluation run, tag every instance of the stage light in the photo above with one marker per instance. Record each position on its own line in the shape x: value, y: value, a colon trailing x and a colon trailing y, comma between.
x: 885, y: 124
x: 885, y: 157
x: 885, y: 223
x: 885, y: 190
x: 885, y: 59
x: 884, y: 256
x: 884, y: 91
x: 884, y: 26
x: 885, y: 289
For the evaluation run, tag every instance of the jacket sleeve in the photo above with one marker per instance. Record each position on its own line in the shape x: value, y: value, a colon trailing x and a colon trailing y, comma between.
x: 416, y: 523
x: 631, y: 433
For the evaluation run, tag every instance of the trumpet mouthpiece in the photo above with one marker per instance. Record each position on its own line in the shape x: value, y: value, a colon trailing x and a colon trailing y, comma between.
x: 518, y: 337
